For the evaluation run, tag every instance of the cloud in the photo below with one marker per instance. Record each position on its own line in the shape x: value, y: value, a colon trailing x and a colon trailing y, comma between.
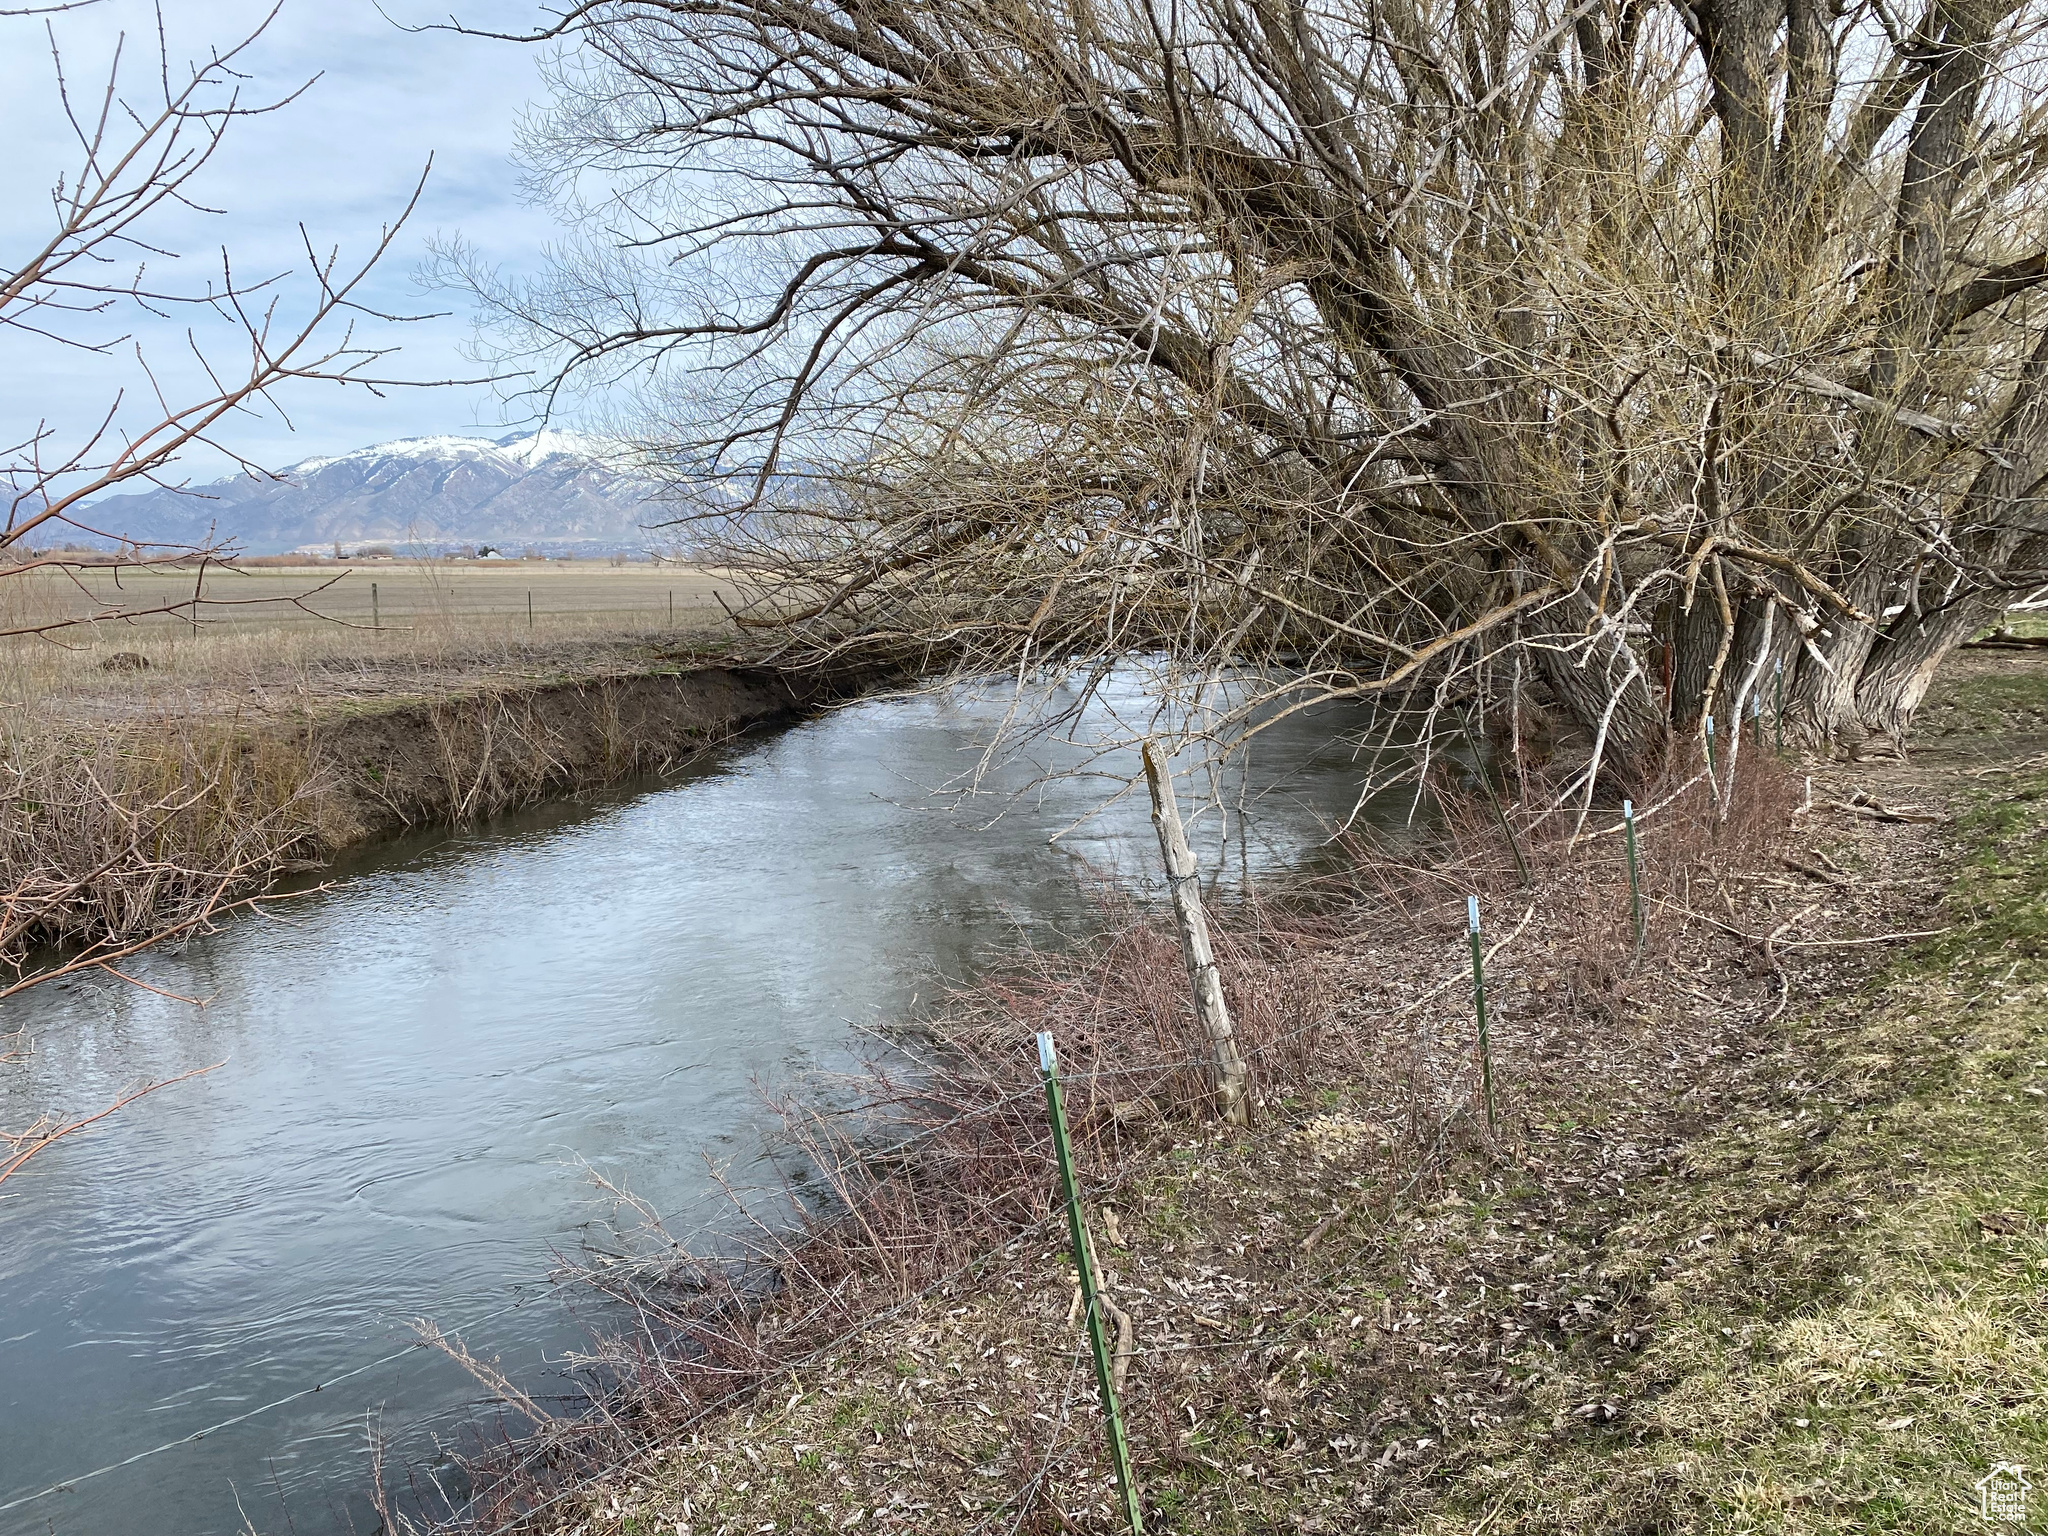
x: 340, y: 161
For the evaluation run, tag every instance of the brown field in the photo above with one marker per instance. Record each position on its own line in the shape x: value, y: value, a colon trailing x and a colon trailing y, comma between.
x: 321, y: 631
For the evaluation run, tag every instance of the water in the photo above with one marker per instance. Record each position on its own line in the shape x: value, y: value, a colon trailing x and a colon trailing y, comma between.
x: 423, y: 1065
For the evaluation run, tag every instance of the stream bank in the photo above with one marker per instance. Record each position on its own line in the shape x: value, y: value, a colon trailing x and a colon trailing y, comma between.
x: 428, y: 1063
x: 138, y: 825
x: 374, y: 771
x: 1757, y: 1243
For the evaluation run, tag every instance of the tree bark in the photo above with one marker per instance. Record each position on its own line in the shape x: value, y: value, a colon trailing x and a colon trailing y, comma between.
x: 1232, y: 1080
x: 1903, y: 666
x: 1695, y: 641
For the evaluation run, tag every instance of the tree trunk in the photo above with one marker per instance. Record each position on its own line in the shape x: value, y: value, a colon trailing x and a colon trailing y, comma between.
x: 1929, y: 184
x: 1820, y: 692
x: 1600, y: 687
x: 1695, y: 641
x: 1902, y: 667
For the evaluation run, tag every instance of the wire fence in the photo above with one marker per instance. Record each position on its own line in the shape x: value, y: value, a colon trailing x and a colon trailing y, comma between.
x: 1160, y: 1071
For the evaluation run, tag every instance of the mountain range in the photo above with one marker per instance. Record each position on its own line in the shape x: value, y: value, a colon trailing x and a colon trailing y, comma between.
x: 555, y: 491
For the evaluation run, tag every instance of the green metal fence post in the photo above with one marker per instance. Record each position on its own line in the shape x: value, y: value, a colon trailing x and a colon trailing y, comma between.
x: 1500, y: 816
x: 1635, y: 889
x: 1479, y: 1006
x: 1778, y: 711
x: 376, y: 619
x: 1098, y: 1343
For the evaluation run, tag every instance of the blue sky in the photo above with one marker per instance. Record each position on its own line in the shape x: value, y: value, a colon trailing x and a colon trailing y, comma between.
x: 341, y: 160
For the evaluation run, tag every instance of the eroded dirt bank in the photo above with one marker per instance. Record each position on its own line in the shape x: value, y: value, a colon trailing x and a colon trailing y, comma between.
x: 148, y: 820
x: 386, y: 767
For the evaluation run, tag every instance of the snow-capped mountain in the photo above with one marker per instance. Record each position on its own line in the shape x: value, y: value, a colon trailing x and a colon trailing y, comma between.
x: 558, y: 491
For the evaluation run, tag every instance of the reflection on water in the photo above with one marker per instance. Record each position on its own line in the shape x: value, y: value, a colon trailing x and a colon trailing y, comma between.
x: 419, y: 1062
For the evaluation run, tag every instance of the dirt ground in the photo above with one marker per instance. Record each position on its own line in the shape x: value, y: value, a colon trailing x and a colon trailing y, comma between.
x: 1758, y: 1243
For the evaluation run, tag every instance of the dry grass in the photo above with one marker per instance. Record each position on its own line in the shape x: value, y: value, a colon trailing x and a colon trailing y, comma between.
x: 142, y: 799
x: 286, y: 632
x: 112, y: 841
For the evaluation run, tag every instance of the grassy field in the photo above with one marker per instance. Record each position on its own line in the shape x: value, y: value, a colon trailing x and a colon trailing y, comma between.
x: 1867, y: 1335
x: 296, y: 630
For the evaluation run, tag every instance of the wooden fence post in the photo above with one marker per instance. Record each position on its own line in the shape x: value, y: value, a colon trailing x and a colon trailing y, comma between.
x: 1233, y: 1082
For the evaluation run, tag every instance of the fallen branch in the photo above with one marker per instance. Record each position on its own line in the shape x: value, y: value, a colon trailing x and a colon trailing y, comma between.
x: 1766, y: 943
x: 1321, y: 1229
x: 1868, y: 806
x: 1812, y: 871
x: 1120, y: 1367
x: 1875, y: 938
x: 1771, y: 958
x: 30, y: 1142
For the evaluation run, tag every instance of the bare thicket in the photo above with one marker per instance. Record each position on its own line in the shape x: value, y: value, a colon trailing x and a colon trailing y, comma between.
x: 114, y: 839
x: 1595, y: 360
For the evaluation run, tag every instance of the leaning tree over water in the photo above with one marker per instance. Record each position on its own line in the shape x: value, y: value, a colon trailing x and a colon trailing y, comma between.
x: 1612, y: 353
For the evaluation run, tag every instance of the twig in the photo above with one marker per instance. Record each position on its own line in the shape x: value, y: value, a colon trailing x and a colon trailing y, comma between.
x: 91, y: 962
x: 176, y: 997
x: 1321, y: 1229
x: 13, y: 1164
x: 486, y: 1374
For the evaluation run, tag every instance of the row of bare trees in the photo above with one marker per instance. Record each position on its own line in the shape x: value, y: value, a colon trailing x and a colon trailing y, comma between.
x: 1603, y: 356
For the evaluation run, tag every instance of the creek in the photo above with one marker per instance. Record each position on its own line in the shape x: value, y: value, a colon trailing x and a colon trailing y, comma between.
x: 424, y: 1063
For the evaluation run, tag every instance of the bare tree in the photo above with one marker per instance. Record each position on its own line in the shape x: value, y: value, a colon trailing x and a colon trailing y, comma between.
x: 1608, y: 356
x: 103, y: 264
x: 110, y: 842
